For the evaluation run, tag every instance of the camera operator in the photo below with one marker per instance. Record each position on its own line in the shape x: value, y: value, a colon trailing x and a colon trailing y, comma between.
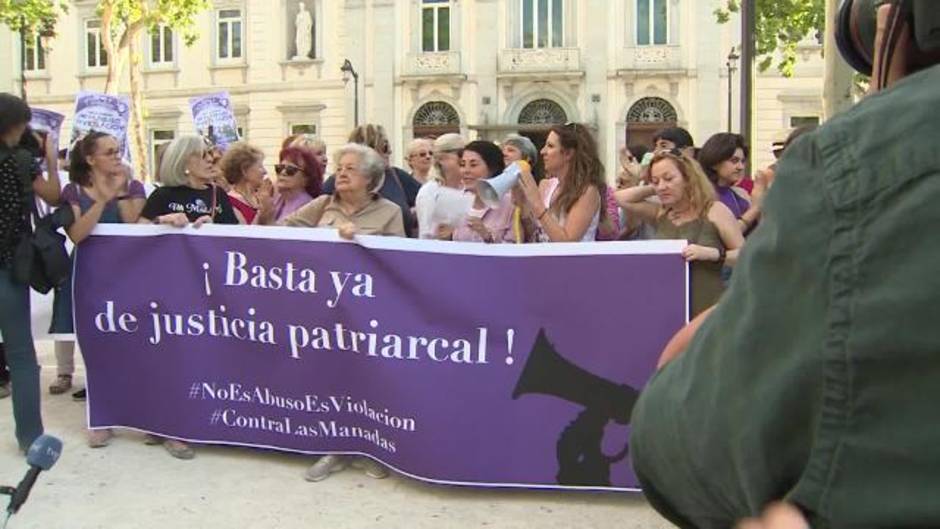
x: 19, y: 180
x: 814, y: 380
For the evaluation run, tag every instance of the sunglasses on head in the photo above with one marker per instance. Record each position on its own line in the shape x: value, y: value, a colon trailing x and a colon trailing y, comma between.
x: 286, y: 170
x: 672, y: 152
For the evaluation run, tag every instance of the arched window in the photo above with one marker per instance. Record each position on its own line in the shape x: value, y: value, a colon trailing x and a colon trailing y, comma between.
x: 435, y: 118
x: 646, y: 117
x: 542, y: 112
x: 652, y: 110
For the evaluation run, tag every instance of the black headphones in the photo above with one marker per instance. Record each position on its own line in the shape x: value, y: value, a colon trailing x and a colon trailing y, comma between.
x: 856, y: 25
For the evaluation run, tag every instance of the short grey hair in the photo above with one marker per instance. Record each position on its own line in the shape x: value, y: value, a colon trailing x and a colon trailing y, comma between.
x: 175, y: 158
x: 525, y: 146
x: 371, y: 164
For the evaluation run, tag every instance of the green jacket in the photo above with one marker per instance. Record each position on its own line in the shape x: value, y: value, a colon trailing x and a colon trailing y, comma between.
x: 817, y: 378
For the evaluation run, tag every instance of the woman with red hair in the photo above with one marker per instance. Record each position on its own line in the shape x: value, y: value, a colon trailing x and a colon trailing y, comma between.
x: 299, y: 180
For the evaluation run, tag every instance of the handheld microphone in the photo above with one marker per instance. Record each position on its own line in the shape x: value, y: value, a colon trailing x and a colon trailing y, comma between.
x: 42, y: 454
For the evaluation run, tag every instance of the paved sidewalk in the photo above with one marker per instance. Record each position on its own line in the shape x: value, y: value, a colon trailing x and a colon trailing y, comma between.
x: 131, y: 485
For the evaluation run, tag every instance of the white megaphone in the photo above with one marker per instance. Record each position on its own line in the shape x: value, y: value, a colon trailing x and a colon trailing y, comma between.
x: 491, y: 191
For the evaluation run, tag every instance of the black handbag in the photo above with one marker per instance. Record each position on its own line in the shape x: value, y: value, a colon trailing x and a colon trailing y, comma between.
x: 51, y: 265
x: 40, y: 259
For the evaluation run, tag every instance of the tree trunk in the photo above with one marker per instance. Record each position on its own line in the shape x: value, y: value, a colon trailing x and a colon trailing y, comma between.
x: 136, y: 132
x: 839, y: 78
x: 115, y: 57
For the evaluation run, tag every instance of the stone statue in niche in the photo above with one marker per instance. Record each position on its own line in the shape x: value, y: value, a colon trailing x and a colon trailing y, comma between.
x: 304, y: 33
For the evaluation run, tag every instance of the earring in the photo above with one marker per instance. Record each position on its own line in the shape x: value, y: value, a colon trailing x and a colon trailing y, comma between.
x: 186, y: 172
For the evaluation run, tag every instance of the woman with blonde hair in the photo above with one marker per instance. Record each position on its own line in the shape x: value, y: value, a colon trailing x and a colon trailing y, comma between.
x: 689, y: 210
x: 446, y: 173
x: 420, y: 158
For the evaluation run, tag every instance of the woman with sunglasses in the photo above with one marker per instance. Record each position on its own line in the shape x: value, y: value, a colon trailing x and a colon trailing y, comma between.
x: 568, y: 205
x: 188, y: 194
x: 420, y: 158
x: 299, y: 181
x: 688, y: 210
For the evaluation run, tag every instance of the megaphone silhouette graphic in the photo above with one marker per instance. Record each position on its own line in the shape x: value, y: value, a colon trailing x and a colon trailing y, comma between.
x: 581, y: 459
x: 491, y: 191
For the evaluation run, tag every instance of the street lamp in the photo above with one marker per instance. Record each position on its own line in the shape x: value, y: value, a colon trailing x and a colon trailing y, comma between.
x: 347, y: 69
x: 732, y: 67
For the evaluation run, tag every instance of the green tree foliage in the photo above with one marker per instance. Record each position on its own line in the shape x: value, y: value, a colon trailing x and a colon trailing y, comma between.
x: 34, y: 15
x: 124, y: 20
x: 781, y: 25
x: 122, y: 23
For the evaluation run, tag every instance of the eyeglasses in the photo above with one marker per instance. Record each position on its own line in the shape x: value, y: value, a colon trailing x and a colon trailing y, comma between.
x: 423, y: 154
x: 287, y: 170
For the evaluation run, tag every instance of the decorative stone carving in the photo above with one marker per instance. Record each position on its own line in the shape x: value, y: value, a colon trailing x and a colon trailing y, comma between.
x: 540, y: 60
x: 435, y: 63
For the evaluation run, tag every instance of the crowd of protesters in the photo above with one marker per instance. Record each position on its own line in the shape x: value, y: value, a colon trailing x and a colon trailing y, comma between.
x: 667, y: 190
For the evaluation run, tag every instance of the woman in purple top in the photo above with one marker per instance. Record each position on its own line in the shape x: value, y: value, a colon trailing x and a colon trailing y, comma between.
x: 723, y: 157
x: 299, y: 180
x: 101, y: 191
x: 478, y: 161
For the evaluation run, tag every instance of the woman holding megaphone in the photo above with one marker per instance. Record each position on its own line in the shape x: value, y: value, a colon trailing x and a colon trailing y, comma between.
x: 565, y: 206
x: 485, y: 222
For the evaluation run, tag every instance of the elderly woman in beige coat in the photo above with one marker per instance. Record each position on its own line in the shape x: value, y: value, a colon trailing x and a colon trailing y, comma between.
x: 355, y: 207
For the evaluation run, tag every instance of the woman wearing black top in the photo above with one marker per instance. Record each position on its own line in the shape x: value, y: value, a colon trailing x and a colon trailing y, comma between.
x: 188, y: 194
x: 19, y: 181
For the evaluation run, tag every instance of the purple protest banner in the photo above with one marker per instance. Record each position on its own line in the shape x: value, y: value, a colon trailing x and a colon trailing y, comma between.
x: 474, y: 364
x: 214, y: 119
